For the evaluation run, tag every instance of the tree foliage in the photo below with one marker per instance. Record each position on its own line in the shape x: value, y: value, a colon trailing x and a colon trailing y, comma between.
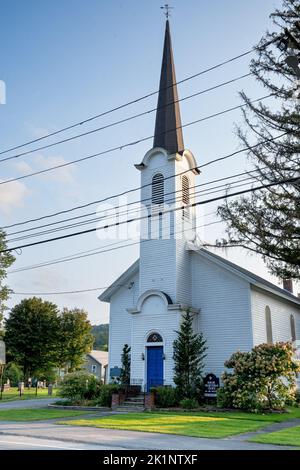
x: 31, y: 335
x: 268, y: 221
x: 39, y: 338
x: 6, y: 260
x: 264, y: 378
x: 189, y: 354
x: 75, y: 338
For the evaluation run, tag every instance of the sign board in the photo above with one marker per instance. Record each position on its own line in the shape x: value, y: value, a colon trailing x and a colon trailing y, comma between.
x: 115, y: 372
x: 2, y: 353
x: 211, y: 385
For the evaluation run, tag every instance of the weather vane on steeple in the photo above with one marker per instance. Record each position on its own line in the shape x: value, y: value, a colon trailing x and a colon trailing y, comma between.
x: 167, y: 10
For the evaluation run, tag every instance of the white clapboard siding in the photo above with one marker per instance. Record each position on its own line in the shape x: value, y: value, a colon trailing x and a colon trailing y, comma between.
x: 280, y: 316
x: 225, y: 316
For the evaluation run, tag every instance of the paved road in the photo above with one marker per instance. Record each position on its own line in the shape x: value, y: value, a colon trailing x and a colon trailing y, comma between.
x: 32, y: 403
x: 30, y: 443
x: 111, y: 439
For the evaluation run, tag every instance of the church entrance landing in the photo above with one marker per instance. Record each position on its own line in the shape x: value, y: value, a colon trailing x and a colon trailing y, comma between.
x: 155, y: 374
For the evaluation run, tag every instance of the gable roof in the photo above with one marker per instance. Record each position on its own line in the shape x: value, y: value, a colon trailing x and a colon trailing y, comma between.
x: 252, y: 278
x: 99, y: 356
x: 119, y: 282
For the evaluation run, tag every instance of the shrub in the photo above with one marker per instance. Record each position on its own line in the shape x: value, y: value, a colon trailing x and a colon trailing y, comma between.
x: 79, y: 386
x: 263, y: 378
x: 189, y: 403
x: 13, y: 373
x: 105, y: 394
x: 165, y: 397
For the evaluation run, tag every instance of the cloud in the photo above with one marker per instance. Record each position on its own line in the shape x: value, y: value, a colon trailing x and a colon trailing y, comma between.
x: 62, y: 175
x: 40, y: 162
x: 12, y: 195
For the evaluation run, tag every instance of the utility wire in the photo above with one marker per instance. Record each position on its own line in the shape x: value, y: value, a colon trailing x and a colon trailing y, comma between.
x: 130, y: 144
x: 139, y: 201
x: 82, y: 206
x: 214, y: 189
x: 117, y: 108
x: 107, y: 248
x: 84, y: 232
x: 122, y: 121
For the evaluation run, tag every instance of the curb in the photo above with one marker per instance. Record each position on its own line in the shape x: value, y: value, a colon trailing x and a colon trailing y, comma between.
x: 79, y: 408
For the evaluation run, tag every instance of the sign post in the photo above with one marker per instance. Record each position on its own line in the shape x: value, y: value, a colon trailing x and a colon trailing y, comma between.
x: 2, y: 365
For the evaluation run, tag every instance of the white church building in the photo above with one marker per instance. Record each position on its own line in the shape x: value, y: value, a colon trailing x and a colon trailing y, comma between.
x: 233, y: 308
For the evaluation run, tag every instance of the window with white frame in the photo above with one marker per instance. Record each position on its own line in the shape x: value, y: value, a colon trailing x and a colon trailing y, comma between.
x: 94, y: 369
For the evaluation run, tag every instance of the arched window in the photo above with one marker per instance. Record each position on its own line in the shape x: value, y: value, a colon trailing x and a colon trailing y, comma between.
x: 154, y: 338
x: 268, y: 325
x: 293, y: 328
x: 158, y: 189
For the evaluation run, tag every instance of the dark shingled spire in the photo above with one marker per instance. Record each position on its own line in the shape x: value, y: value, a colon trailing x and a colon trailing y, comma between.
x: 168, y: 112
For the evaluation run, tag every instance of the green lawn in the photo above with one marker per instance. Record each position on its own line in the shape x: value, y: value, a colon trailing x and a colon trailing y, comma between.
x: 35, y: 414
x: 30, y: 393
x: 213, y: 425
x: 290, y: 437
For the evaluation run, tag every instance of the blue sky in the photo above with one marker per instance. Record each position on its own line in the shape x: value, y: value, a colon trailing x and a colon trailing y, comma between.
x: 63, y: 61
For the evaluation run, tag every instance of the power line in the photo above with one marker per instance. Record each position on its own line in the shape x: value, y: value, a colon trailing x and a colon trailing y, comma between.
x: 86, y: 254
x: 61, y: 292
x: 82, y: 206
x: 205, y: 192
x: 122, y: 121
x: 146, y: 185
x: 84, y: 232
x: 117, y: 108
x: 130, y: 144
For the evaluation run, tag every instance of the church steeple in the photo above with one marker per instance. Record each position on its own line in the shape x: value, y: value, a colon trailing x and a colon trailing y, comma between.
x: 168, y: 131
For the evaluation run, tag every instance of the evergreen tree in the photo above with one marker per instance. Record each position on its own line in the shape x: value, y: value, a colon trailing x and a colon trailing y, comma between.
x: 268, y: 221
x: 125, y: 359
x: 189, y: 353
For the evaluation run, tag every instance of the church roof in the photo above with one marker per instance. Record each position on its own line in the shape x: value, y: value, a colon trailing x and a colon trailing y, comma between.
x: 168, y: 131
x: 253, y: 279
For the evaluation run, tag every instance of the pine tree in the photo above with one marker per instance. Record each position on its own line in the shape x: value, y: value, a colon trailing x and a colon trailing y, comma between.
x: 268, y: 221
x: 189, y: 353
x: 125, y: 359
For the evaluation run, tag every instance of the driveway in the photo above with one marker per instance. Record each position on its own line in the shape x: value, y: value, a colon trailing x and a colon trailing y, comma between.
x: 111, y: 439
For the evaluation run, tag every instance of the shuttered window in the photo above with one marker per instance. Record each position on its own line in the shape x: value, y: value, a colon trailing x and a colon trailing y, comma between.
x: 158, y: 189
x: 185, y: 187
x: 269, y: 325
x: 293, y: 328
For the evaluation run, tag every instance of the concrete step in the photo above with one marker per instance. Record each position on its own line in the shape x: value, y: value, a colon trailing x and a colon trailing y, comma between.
x: 129, y: 409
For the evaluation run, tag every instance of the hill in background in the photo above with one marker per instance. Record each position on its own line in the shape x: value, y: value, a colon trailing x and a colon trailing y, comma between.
x: 100, y: 333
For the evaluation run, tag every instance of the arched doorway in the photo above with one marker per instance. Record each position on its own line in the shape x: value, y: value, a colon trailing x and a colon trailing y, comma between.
x: 155, y: 357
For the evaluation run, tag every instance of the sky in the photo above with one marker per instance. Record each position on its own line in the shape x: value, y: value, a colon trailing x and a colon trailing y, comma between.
x: 64, y: 61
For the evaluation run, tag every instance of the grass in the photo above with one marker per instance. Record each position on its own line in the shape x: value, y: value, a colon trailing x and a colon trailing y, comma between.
x: 29, y: 394
x: 36, y: 414
x: 210, y: 425
x: 290, y: 437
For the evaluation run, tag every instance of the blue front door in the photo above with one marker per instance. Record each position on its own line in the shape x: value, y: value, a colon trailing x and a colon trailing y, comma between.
x: 155, y: 374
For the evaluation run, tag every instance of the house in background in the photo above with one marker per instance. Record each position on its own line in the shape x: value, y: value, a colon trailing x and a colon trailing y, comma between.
x: 96, y: 363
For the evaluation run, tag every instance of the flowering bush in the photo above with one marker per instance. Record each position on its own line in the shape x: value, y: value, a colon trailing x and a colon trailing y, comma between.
x: 263, y: 378
x: 79, y: 386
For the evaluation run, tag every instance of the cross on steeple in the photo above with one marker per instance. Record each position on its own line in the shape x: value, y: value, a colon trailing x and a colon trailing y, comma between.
x: 167, y: 9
